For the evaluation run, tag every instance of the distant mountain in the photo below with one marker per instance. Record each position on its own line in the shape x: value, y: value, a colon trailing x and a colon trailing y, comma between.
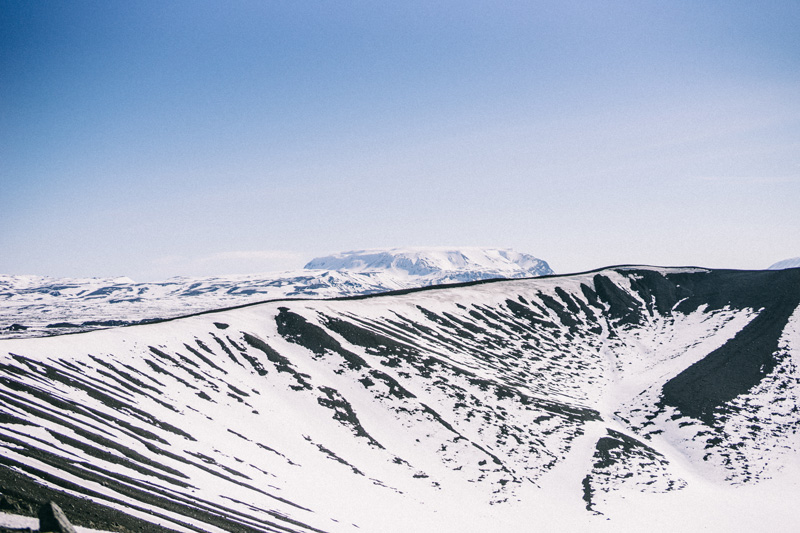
x: 625, y: 399
x: 437, y: 264
x: 786, y: 263
x: 36, y: 305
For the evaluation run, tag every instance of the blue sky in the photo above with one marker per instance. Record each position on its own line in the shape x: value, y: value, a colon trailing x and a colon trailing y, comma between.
x: 153, y: 139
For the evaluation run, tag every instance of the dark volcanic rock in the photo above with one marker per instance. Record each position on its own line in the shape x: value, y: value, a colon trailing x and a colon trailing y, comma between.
x: 53, y: 520
x: 742, y: 362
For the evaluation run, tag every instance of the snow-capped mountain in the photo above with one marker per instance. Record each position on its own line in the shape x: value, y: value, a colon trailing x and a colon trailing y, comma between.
x: 36, y: 305
x: 444, y: 265
x: 631, y: 398
x: 786, y: 263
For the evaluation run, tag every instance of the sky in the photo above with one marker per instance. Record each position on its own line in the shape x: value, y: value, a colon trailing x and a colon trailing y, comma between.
x: 153, y: 139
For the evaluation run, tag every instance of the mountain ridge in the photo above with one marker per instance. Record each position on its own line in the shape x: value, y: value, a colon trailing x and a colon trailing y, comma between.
x: 36, y: 305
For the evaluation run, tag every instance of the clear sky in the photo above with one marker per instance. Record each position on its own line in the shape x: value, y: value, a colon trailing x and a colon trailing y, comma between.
x: 153, y: 139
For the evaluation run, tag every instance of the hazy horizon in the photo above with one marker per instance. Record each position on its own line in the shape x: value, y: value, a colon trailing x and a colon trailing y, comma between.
x: 154, y: 140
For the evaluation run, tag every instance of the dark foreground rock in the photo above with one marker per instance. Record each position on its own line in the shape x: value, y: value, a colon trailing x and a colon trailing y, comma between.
x: 53, y: 520
x: 23, y: 496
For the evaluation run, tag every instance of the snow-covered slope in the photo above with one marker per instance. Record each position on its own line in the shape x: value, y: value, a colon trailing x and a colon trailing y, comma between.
x: 786, y: 263
x: 632, y: 398
x: 36, y: 305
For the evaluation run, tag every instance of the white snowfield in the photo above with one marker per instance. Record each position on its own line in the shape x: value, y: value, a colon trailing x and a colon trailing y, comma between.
x: 628, y: 399
x: 786, y: 263
x: 33, y: 306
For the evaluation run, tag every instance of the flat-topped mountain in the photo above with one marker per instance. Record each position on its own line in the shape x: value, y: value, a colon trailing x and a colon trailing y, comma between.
x: 445, y: 264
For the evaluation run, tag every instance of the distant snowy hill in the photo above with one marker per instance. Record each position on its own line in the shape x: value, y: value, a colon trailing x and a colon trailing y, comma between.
x: 624, y: 399
x: 786, y: 263
x: 36, y: 305
x: 444, y: 264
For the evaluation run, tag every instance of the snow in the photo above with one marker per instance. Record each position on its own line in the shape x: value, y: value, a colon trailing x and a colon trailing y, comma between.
x: 46, y: 306
x: 428, y: 473
x: 786, y: 263
x: 427, y: 261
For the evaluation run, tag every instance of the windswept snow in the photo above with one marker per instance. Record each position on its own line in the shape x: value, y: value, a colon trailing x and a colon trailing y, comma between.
x: 634, y: 398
